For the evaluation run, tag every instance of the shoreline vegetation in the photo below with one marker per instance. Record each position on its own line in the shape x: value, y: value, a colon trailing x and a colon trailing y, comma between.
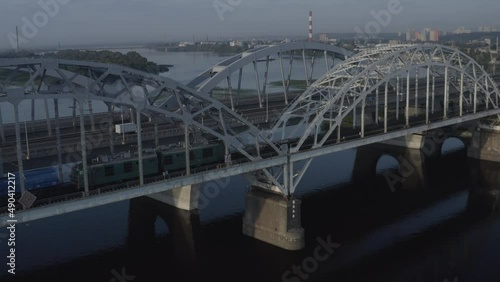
x: 214, y: 48
x: 131, y: 59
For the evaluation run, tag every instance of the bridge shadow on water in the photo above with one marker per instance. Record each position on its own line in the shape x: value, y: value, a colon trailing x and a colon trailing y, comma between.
x: 435, y: 226
x: 438, y: 224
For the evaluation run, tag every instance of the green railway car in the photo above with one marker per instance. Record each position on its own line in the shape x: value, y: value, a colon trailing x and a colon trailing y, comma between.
x: 105, y: 173
x: 117, y: 171
x: 175, y: 160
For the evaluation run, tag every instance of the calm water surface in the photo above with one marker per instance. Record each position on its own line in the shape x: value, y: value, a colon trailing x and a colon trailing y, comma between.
x: 445, y: 230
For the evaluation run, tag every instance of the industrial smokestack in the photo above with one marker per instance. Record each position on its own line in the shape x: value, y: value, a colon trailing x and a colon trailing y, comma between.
x: 310, y: 26
x: 17, y: 38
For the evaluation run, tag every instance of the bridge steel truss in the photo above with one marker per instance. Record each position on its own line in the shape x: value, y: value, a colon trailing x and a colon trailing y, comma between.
x: 343, y: 95
x: 222, y: 72
x: 304, y: 131
x: 160, y: 99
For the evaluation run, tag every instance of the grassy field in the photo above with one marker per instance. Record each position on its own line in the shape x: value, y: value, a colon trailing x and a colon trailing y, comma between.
x: 18, y: 79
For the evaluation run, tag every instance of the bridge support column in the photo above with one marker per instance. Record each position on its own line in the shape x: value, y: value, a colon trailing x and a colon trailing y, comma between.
x: 183, y: 227
x: 1, y: 162
x: 2, y: 133
x: 484, y: 194
x: 184, y: 198
x: 271, y: 218
x: 412, y: 141
x: 58, y: 139
x: 485, y: 145
x: 411, y: 172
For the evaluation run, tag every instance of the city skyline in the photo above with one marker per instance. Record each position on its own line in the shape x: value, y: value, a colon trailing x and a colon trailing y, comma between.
x: 123, y: 21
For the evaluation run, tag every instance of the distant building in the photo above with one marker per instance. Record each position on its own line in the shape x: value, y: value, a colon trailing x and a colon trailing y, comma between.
x: 462, y: 30
x: 434, y: 35
x: 418, y: 36
x: 208, y: 43
x: 425, y: 35
x: 394, y: 42
x: 487, y: 29
x: 186, y: 43
x: 323, y: 37
x: 411, y: 35
x: 236, y: 43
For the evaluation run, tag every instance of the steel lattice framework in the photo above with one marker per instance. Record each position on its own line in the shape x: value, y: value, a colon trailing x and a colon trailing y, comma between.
x: 221, y: 72
x: 307, y: 123
x: 160, y: 98
x: 402, y: 83
x: 352, y: 86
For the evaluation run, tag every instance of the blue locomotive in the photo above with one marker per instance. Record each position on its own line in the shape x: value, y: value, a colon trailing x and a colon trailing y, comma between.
x: 34, y: 179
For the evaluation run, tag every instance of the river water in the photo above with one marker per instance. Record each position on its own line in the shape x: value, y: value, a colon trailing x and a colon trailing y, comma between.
x: 444, y: 230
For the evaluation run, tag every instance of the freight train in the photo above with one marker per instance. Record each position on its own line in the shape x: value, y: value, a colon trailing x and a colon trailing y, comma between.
x: 107, y: 171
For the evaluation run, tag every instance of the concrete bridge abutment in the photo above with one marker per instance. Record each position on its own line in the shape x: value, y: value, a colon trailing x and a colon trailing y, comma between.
x: 274, y: 219
x: 184, y: 198
x: 485, y: 145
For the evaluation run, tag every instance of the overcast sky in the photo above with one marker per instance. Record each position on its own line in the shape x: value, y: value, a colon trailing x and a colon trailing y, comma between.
x: 119, y: 21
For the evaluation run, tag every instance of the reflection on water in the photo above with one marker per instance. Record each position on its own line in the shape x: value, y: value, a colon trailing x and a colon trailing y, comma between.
x: 445, y: 229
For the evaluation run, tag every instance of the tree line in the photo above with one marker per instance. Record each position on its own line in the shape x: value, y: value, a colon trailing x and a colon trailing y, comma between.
x: 131, y: 59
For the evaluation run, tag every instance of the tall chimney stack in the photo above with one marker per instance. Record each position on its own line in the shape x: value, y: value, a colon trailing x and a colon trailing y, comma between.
x: 310, y: 26
x: 17, y: 38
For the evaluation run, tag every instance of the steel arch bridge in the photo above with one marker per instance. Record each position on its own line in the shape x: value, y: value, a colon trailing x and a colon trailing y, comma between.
x: 383, y: 78
x: 345, y: 93
x: 209, y: 79
x: 344, y: 89
x: 160, y: 99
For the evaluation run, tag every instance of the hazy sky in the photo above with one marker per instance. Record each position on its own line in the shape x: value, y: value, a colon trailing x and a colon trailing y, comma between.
x: 104, y: 21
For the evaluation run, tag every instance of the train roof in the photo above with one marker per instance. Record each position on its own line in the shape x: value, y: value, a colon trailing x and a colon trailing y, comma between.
x: 127, y: 156
x: 117, y: 158
x: 179, y: 149
x: 35, y: 171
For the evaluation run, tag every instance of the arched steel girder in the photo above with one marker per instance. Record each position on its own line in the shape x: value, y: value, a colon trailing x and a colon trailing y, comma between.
x: 159, y: 97
x: 334, y: 96
x: 210, y: 78
x: 323, y: 107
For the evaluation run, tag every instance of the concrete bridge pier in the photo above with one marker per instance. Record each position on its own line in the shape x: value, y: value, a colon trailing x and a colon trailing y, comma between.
x: 184, y: 228
x: 485, y: 145
x: 274, y: 219
x: 430, y: 142
x: 184, y: 198
x: 484, y: 194
x: 410, y: 173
